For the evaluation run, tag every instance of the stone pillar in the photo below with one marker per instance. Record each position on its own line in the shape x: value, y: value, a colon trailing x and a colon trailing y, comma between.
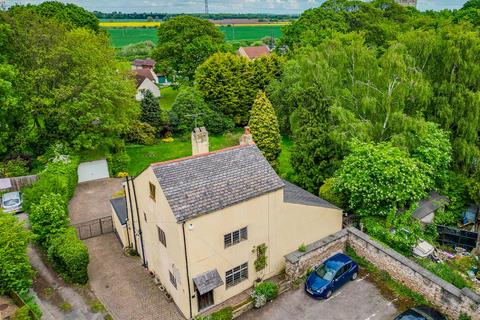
x: 246, y: 139
x: 199, y: 141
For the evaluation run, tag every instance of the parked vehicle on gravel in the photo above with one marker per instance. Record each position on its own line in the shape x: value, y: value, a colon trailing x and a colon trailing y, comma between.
x: 330, y: 276
x: 12, y: 202
x: 421, y: 313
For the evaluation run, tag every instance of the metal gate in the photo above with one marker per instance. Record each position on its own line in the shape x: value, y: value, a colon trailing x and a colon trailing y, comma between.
x: 94, y: 228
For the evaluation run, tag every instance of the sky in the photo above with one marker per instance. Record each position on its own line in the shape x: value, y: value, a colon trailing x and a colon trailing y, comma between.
x: 221, y: 6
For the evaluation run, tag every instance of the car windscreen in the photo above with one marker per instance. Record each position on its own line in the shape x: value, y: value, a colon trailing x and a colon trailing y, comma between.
x: 410, y: 315
x: 325, y: 272
x: 10, y: 202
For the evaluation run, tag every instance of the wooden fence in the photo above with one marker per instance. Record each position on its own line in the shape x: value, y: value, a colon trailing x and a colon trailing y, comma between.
x: 20, y: 182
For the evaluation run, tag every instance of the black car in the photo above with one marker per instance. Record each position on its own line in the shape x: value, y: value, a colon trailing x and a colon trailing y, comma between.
x: 421, y: 313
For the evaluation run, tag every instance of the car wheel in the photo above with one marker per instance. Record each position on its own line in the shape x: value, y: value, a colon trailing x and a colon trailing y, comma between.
x: 329, y: 294
x: 354, y: 276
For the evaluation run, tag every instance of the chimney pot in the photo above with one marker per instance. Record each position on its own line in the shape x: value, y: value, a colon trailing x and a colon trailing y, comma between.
x: 246, y: 139
x: 199, y: 141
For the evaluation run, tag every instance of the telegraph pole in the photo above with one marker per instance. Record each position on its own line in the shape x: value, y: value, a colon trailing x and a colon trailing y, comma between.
x: 206, y: 7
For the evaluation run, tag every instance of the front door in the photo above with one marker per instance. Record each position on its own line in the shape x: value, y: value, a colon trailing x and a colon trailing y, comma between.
x: 205, y: 300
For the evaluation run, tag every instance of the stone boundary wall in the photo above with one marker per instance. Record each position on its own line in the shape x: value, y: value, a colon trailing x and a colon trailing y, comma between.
x: 443, y: 295
x: 297, y: 263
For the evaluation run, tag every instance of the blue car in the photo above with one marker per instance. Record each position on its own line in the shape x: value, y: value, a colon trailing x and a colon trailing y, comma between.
x: 331, y: 275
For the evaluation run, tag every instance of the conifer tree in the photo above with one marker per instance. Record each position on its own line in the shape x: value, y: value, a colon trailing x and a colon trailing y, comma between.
x: 151, y: 112
x: 265, y: 130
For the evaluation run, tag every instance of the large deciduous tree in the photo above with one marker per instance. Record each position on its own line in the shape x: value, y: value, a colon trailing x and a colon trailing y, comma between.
x: 185, y: 42
x: 342, y: 90
x: 69, y: 86
x: 189, y: 109
x: 68, y: 14
x: 379, y: 179
x: 450, y: 60
x: 263, y: 124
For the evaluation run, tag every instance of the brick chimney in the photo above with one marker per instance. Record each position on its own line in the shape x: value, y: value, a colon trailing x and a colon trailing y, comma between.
x: 246, y: 139
x: 199, y: 141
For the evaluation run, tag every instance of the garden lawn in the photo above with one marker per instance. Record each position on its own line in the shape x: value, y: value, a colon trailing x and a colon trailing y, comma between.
x: 142, y: 156
x: 168, y: 96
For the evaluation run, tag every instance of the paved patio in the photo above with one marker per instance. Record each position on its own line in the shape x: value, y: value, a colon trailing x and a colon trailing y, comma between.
x: 123, y: 285
x: 92, y: 199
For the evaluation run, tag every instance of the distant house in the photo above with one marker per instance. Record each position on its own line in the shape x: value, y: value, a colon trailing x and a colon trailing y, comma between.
x: 145, y: 81
x: 426, y: 209
x: 253, y: 53
x: 407, y: 3
x: 202, y: 223
x: 147, y: 64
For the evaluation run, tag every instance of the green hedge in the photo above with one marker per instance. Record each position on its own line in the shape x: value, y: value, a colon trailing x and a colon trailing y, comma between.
x: 58, y: 177
x: 48, y: 217
x: 46, y: 201
x: 69, y: 256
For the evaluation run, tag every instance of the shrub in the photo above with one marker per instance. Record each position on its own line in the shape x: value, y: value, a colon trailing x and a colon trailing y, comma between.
x: 118, y: 162
x: 464, y: 316
x: 14, y: 168
x: 141, y: 133
x: 22, y: 314
x: 268, y: 289
x: 326, y: 192
x: 49, y: 217
x: 69, y: 256
x: 122, y: 174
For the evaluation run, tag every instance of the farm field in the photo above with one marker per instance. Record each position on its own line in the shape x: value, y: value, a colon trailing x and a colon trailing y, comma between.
x: 142, y: 23
x: 121, y: 37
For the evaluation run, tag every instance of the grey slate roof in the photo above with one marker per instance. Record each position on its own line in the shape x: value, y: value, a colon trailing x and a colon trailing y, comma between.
x: 120, y: 207
x: 210, y: 182
x: 427, y: 206
x: 208, y: 281
x: 295, y: 194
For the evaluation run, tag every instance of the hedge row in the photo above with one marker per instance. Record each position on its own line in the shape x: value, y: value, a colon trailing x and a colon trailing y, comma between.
x: 46, y: 201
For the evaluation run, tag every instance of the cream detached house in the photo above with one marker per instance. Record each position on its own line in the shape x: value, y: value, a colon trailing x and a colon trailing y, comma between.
x: 197, y: 221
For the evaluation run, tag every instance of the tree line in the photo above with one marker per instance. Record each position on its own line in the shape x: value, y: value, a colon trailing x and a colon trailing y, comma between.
x: 215, y: 16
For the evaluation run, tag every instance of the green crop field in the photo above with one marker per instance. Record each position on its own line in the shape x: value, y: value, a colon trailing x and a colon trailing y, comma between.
x: 121, y: 37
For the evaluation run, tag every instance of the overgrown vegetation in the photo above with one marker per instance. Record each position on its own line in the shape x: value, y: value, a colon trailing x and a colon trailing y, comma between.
x: 47, y: 202
x: 395, y: 287
x: 15, y: 270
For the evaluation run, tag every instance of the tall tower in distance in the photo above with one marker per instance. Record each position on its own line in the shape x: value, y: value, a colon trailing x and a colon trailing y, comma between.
x: 206, y: 6
x: 407, y: 3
